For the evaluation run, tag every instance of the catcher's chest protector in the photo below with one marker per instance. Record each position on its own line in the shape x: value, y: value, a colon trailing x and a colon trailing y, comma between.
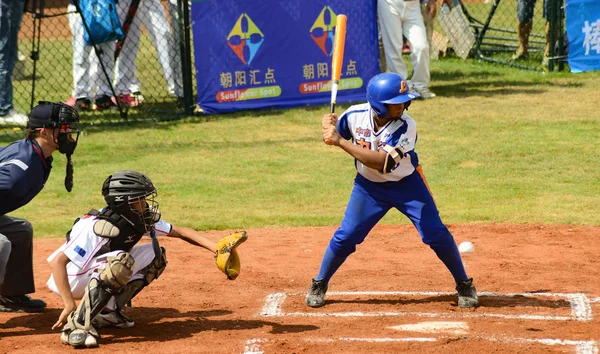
x: 113, y: 226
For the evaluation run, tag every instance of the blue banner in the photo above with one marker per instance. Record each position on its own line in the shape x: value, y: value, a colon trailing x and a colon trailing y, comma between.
x: 583, y: 31
x: 277, y: 53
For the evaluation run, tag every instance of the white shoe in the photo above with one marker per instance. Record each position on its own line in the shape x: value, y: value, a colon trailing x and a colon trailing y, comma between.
x: 14, y: 118
x: 113, y: 319
x: 424, y: 93
x: 79, y: 339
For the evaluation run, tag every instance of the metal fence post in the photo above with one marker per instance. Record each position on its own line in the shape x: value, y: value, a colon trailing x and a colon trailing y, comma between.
x: 186, y: 55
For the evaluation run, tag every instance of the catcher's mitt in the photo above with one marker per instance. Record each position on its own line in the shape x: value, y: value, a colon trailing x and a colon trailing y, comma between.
x: 227, y: 258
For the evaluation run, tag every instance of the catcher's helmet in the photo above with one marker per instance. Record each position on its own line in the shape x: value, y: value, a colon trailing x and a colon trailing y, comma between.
x: 123, y: 190
x: 388, y: 88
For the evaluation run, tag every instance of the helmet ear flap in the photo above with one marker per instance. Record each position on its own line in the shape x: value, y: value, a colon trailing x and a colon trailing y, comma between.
x: 379, y: 109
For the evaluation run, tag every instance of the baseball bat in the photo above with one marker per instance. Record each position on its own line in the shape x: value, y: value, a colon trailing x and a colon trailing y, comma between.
x: 337, y: 59
x: 133, y: 7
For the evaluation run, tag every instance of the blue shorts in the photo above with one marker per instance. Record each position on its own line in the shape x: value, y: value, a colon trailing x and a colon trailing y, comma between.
x: 525, y: 10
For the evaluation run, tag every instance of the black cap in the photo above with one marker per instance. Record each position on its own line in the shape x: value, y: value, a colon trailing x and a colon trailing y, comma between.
x: 49, y: 114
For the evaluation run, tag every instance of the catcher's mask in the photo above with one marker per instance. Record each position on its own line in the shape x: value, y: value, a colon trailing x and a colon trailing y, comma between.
x: 132, y: 195
x: 388, y: 88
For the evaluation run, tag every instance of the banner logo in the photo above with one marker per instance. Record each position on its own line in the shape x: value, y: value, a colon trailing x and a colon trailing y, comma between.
x: 322, y: 30
x: 245, y: 39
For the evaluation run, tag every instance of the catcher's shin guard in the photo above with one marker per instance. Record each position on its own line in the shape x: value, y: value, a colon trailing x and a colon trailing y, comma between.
x: 151, y: 272
x: 79, y: 331
x: 129, y: 292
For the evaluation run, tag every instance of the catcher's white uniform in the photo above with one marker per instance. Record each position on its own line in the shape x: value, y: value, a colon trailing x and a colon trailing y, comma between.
x: 83, y: 248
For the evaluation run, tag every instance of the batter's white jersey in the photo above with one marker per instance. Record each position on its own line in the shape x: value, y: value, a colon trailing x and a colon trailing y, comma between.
x: 84, y: 245
x: 356, y: 123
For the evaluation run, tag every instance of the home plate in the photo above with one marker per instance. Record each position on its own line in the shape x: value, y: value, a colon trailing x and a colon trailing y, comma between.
x: 434, y: 327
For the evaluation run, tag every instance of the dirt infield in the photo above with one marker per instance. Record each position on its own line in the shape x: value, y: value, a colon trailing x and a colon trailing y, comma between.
x: 540, y: 294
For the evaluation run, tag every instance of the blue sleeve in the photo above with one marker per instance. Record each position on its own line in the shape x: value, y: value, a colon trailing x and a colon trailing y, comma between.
x: 9, y: 174
x: 343, y: 128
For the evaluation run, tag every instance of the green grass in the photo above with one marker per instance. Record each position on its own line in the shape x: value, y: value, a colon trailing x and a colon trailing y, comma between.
x: 497, y: 145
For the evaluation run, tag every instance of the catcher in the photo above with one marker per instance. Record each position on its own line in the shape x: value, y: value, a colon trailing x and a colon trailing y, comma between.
x: 103, y: 265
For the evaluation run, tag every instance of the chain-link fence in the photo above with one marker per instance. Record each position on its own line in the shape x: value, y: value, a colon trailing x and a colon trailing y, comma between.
x: 140, y: 77
x: 148, y: 73
x: 523, y: 33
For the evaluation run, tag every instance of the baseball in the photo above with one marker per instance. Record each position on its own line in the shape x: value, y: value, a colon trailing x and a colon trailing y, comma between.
x: 466, y: 247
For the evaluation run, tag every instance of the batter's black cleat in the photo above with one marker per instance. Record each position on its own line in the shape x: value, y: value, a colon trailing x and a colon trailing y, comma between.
x: 21, y: 303
x: 316, y: 293
x: 467, y: 294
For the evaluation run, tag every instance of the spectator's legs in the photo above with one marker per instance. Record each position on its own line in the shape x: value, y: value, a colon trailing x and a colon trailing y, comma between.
x: 125, y: 76
x: 159, y: 30
x: 390, y: 22
x: 107, y: 54
x: 414, y: 30
x: 82, y: 85
x: 175, y: 49
x: 428, y: 22
x: 524, y: 25
x: 523, y: 32
x: 11, y: 14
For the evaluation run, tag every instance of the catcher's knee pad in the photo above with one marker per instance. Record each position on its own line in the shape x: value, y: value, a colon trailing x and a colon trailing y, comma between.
x: 118, y: 270
x: 156, y: 267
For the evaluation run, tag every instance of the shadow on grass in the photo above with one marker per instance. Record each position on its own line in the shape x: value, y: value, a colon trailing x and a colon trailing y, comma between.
x: 485, y: 83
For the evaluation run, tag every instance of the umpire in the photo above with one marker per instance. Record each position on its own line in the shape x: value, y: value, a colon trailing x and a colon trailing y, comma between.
x: 24, y: 169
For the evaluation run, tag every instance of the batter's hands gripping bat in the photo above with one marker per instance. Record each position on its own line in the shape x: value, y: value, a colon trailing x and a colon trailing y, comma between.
x: 133, y: 7
x: 337, y: 59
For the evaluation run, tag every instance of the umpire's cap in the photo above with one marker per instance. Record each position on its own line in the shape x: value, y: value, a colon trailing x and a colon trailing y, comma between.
x: 51, y: 115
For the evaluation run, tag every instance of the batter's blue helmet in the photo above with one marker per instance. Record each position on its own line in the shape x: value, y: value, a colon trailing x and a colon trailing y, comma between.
x: 387, y: 88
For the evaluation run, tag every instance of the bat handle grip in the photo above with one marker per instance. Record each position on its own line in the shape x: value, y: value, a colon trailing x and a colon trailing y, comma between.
x: 332, y: 111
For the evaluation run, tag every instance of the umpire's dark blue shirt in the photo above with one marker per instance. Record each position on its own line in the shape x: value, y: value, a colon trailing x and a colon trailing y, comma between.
x: 23, y: 172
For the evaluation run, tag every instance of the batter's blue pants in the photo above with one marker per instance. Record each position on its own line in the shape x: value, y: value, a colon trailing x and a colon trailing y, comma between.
x: 370, y: 201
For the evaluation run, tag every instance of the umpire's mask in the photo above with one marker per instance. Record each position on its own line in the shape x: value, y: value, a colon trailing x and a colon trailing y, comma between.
x: 61, y: 116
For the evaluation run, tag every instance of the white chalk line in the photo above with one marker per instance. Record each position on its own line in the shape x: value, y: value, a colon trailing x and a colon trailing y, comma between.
x: 595, y: 299
x: 579, y: 303
x: 426, y: 314
x: 253, y: 346
x: 273, y: 304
